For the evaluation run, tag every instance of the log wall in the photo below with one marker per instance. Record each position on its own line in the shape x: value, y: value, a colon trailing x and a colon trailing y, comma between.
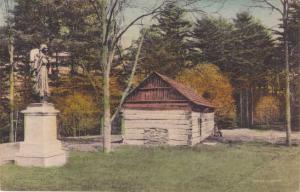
x: 203, y: 130
x: 156, y: 127
x: 173, y: 127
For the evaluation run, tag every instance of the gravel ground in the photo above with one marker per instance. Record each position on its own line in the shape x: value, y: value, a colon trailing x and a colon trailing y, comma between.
x: 88, y: 143
x: 270, y: 136
x: 94, y: 143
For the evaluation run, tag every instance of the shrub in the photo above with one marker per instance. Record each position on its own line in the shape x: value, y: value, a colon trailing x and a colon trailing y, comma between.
x: 4, y: 124
x: 267, y: 110
x: 208, y: 81
x: 79, y: 113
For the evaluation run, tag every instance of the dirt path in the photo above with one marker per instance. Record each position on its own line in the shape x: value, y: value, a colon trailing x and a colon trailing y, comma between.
x: 94, y: 143
x: 270, y: 136
x: 88, y: 143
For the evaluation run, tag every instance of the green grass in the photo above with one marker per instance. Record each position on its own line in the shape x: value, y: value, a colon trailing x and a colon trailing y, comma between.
x: 235, y: 168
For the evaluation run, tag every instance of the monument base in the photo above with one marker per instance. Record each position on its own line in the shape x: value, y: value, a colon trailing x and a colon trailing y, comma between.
x: 41, y: 155
x: 48, y: 161
x: 40, y: 147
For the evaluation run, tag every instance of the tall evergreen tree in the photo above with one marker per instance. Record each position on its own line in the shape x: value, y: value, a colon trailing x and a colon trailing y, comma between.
x: 165, y: 48
x: 282, y: 8
x: 211, y: 42
x: 63, y: 25
x: 4, y: 86
x: 243, y: 49
x: 35, y: 22
x: 252, y: 64
x: 294, y: 43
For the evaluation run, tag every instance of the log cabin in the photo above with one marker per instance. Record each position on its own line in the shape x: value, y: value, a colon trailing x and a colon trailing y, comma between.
x: 161, y: 111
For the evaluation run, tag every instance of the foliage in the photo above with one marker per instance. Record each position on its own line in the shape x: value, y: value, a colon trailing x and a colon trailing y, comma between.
x: 164, y: 49
x: 294, y: 27
x: 4, y: 123
x: 267, y: 110
x: 79, y: 88
x: 253, y: 48
x: 208, y: 81
x: 4, y: 79
x: 89, y: 88
x: 35, y: 22
x: 242, y: 49
x: 82, y: 35
x: 78, y: 114
x: 294, y: 39
x: 212, y: 42
x: 63, y: 25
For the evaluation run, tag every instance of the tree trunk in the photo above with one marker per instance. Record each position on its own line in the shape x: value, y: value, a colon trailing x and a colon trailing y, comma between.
x: 287, y: 72
x: 74, y: 128
x: 247, y: 108
x: 11, y: 88
x: 241, y: 108
x: 107, y: 55
x: 297, y: 118
x: 130, y: 78
x: 106, y: 103
x: 16, y: 126
x: 252, y: 106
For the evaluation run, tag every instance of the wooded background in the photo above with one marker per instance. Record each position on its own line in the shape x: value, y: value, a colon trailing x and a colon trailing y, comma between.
x: 239, y: 65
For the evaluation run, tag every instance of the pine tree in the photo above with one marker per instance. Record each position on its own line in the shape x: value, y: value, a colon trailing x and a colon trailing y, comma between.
x: 165, y: 48
x: 283, y: 9
x: 212, y: 42
x: 252, y: 61
x: 243, y: 49
x: 4, y: 87
x: 294, y: 39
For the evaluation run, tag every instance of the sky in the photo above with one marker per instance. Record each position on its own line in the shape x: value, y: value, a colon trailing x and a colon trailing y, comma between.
x: 227, y: 10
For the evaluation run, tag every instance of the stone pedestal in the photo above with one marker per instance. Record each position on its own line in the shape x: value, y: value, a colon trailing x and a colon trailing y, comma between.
x: 40, y: 147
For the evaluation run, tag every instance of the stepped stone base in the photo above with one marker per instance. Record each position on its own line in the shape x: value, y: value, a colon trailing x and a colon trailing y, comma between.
x: 40, y: 147
x: 48, y: 161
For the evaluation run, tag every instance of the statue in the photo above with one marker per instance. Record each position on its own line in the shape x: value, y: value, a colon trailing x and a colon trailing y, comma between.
x: 38, y: 64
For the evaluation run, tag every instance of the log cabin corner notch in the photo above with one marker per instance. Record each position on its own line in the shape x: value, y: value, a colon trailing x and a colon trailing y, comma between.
x: 162, y: 111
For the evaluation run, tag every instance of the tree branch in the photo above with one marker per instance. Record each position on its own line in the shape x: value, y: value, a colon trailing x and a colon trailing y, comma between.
x: 131, y: 77
x: 272, y: 6
x: 110, y: 18
x: 156, y: 10
x: 92, y: 2
x: 92, y: 82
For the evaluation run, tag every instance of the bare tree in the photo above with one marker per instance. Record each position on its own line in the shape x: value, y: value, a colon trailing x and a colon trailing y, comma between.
x: 129, y: 84
x: 282, y: 7
x: 11, y: 75
x: 109, y: 14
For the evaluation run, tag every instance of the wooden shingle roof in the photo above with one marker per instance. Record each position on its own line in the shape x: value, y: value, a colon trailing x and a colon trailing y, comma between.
x: 186, y: 92
x: 158, y: 91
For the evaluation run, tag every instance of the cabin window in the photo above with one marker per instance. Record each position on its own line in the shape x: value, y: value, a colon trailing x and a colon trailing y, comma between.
x: 200, y: 126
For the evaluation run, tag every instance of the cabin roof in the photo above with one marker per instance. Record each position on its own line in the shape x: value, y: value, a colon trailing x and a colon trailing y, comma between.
x: 183, y: 90
x: 186, y: 92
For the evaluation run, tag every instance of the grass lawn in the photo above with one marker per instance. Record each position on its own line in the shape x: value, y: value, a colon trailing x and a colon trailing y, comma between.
x: 221, y: 168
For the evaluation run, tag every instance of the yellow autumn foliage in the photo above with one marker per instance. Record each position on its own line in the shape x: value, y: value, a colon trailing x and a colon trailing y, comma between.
x: 78, y: 113
x: 208, y: 81
x: 267, y: 109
